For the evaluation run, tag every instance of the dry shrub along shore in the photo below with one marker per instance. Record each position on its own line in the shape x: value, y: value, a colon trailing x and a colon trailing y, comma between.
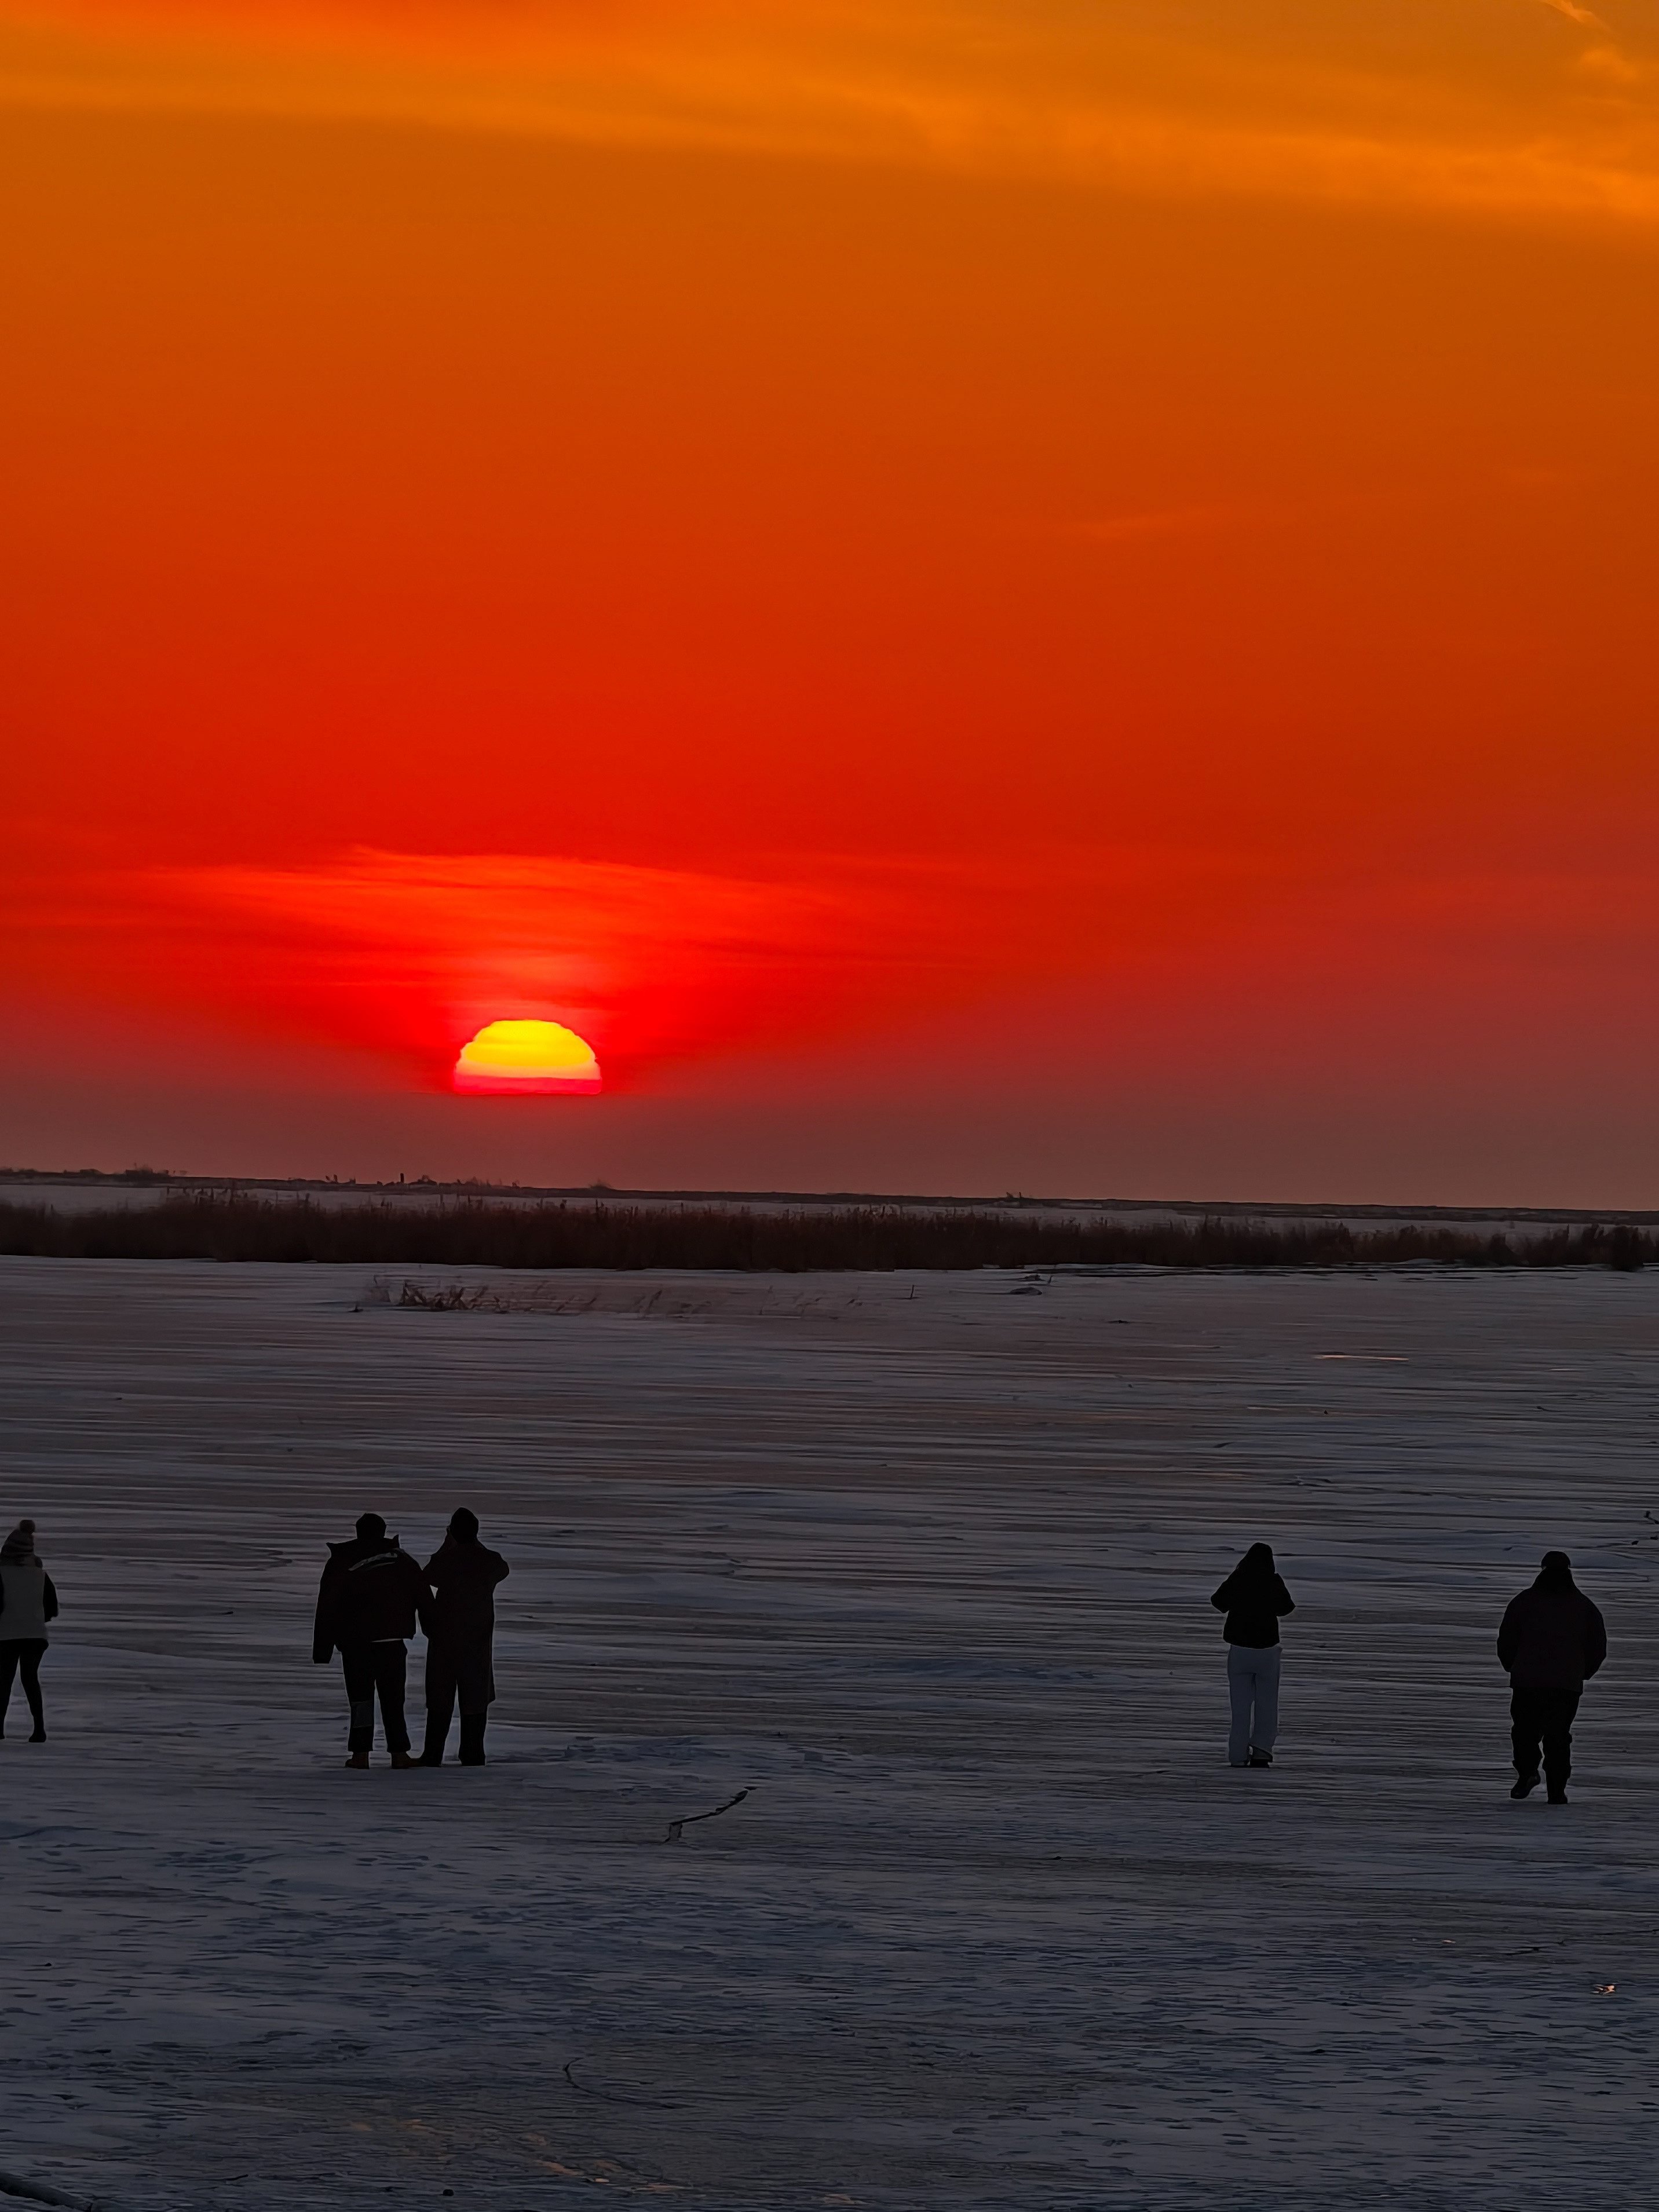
x: 205, y: 1225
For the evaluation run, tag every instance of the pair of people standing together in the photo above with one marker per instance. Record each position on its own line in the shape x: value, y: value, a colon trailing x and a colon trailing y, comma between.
x: 1552, y: 1641
x: 374, y: 1595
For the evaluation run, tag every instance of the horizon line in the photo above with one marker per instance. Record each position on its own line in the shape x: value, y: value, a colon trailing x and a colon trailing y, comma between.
x: 429, y: 1186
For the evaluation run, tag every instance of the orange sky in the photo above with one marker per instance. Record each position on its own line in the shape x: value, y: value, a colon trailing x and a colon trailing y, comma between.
x: 982, y: 595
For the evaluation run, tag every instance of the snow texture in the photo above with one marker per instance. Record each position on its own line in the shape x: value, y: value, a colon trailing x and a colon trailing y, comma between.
x: 926, y: 1576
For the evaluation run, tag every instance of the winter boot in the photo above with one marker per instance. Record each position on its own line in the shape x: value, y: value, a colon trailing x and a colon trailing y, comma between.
x: 1525, y: 1786
x: 1557, y: 1793
x: 402, y: 1759
x: 358, y: 1758
x: 472, y: 1736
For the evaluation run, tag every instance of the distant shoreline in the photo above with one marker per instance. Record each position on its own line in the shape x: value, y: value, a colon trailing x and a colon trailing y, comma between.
x: 154, y: 1184
x: 614, y: 1230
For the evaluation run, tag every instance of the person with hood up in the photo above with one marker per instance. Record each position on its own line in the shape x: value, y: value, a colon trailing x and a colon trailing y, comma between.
x: 462, y: 1574
x: 1254, y: 1601
x: 372, y: 1597
x: 1552, y: 1641
x: 28, y: 1602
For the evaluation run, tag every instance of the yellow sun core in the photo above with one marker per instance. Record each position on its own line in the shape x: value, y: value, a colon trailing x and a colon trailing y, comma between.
x: 535, y: 1058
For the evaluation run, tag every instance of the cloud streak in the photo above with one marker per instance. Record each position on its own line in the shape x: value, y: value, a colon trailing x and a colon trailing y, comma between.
x: 1468, y: 114
x: 673, y: 975
x: 403, y: 957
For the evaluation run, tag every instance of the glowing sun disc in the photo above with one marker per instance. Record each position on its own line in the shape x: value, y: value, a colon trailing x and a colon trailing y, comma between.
x: 522, y: 1059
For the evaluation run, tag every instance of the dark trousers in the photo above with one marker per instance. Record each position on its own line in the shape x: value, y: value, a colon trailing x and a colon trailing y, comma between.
x: 369, y: 1668
x: 1545, y: 1717
x: 27, y: 1651
x: 466, y: 1670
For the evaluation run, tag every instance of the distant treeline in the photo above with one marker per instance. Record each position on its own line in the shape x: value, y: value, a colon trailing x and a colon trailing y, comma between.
x: 468, y: 1232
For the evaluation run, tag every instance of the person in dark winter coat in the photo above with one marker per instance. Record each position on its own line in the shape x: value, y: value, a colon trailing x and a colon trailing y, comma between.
x: 372, y: 1597
x: 1552, y: 1641
x: 28, y: 1602
x: 1254, y: 1601
x: 462, y: 1574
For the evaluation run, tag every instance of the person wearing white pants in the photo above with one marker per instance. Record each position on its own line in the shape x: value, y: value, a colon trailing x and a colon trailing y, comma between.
x: 1254, y: 1601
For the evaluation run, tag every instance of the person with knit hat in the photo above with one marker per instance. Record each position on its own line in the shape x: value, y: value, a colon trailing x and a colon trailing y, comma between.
x: 462, y: 1574
x: 1552, y: 1641
x: 372, y: 1598
x: 28, y: 1602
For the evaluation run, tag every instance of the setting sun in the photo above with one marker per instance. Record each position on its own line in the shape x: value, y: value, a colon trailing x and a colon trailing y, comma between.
x: 538, y: 1058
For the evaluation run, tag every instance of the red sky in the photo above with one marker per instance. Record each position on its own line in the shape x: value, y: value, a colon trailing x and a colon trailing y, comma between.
x: 983, y: 596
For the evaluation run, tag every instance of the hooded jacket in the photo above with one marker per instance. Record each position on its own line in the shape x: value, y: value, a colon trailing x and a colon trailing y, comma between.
x: 28, y: 1600
x: 371, y: 1593
x: 1253, y: 1600
x: 1553, y: 1638
x: 463, y: 1579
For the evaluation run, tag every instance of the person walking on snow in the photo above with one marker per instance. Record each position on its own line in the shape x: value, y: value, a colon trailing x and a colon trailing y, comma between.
x: 372, y: 1597
x: 1552, y: 1641
x: 1254, y: 1601
x: 463, y: 1574
x: 28, y: 1602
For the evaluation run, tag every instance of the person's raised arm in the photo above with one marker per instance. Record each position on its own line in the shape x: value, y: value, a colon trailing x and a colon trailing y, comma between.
x: 419, y: 1579
x: 1223, y: 1599
x: 1509, y: 1638
x: 49, y: 1599
x: 1283, y: 1602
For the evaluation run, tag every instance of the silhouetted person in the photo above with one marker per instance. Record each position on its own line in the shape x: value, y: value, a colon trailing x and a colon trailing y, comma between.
x: 1552, y: 1641
x: 372, y: 1596
x: 463, y: 1574
x: 28, y: 1602
x: 1254, y: 1601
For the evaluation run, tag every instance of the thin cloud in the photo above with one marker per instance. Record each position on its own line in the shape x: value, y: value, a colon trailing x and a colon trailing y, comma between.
x: 404, y: 956
x: 1221, y: 105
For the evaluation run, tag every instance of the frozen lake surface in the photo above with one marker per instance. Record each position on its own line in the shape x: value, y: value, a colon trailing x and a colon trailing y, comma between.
x: 928, y: 1575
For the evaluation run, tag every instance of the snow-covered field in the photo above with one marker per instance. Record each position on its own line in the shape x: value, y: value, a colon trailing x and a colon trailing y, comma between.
x: 996, y: 1925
